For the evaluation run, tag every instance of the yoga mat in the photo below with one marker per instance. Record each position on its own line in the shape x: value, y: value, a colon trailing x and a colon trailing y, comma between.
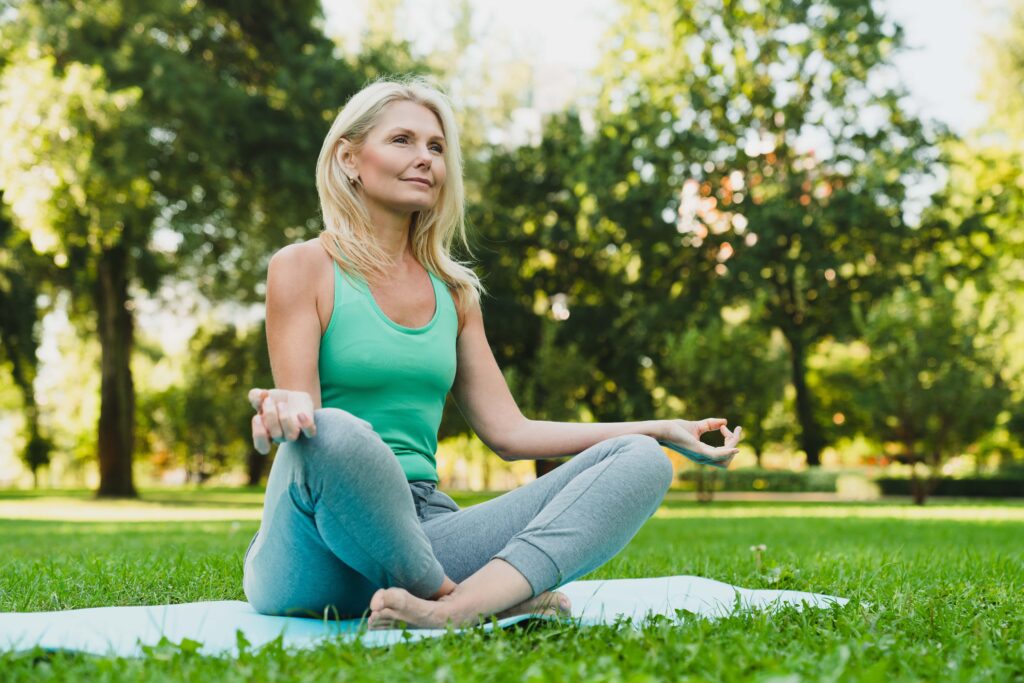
x: 123, y: 631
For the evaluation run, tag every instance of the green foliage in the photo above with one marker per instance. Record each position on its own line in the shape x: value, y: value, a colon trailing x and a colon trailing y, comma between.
x: 986, y: 187
x: 741, y: 159
x: 144, y: 140
x: 757, y: 479
x: 836, y: 372
x: 203, y: 424
x: 1000, y: 486
x: 20, y: 273
x: 722, y: 369
x: 933, y: 384
x: 760, y: 154
x: 552, y: 387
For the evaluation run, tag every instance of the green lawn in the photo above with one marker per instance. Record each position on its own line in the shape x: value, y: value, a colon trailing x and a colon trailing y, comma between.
x: 938, y: 594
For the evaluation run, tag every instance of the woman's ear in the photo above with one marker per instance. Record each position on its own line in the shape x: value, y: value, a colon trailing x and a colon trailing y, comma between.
x: 343, y: 153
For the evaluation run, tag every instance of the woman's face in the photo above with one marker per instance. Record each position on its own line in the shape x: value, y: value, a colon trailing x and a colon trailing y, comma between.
x: 401, y: 164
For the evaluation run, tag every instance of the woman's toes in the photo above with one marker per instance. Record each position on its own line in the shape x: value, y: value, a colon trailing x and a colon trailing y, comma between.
x: 391, y: 606
x: 378, y: 621
x: 559, y: 603
x: 377, y: 601
x: 393, y: 598
x: 551, y: 603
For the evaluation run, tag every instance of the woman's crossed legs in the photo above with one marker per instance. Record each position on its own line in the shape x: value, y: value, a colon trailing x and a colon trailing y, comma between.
x: 340, y: 529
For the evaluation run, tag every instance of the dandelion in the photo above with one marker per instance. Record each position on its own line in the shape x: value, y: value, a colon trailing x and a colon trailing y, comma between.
x: 757, y: 550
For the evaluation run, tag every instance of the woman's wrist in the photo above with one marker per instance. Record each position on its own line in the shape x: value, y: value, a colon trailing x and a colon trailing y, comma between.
x: 447, y: 586
x: 656, y: 428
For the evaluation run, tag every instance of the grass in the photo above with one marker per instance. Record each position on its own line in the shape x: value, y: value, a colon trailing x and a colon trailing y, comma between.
x: 941, y: 589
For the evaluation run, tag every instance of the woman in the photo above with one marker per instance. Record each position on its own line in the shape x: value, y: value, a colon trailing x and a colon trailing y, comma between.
x: 368, y: 327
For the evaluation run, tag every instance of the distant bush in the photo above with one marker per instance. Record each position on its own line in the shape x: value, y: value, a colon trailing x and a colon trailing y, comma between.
x: 756, y: 479
x: 967, y: 487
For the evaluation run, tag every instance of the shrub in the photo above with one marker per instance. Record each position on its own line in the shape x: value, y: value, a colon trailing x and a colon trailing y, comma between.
x: 756, y: 479
x: 967, y: 487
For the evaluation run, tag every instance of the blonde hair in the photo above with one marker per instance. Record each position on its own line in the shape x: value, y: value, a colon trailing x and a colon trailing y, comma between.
x: 348, y: 234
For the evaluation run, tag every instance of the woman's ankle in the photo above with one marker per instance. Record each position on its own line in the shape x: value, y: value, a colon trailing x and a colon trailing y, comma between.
x: 447, y: 586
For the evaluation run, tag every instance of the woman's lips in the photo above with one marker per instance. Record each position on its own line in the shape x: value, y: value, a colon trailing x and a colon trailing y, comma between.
x: 424, y: 183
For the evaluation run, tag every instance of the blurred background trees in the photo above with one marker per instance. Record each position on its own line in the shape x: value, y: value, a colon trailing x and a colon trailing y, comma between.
x: 165, y: 138
x: 747, y: 221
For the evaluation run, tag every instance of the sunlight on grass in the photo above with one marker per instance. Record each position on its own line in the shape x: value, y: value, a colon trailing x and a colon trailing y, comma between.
x: 981, y: 513
x: 215, y: 505
x: 78, y: 510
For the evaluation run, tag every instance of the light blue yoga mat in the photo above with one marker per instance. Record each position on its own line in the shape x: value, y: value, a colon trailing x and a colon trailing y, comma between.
x: 123, y: 631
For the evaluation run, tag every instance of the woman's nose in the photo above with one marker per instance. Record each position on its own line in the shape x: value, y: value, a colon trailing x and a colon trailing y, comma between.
x: 423, y: 156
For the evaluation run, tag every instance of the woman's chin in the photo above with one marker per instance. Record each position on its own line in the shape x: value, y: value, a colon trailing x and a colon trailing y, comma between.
x: 413, y: 208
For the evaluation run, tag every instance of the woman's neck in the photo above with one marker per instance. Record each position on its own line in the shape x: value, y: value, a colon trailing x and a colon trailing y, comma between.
x: 392, y: 231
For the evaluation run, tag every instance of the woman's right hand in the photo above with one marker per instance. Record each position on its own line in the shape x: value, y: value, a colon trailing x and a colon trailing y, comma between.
x: 281, y: 415
x: 683, y: 436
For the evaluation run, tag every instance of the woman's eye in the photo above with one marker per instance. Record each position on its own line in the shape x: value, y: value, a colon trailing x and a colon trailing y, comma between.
x: 439, y: 148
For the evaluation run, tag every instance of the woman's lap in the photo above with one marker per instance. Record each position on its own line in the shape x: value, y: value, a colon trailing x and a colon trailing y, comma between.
x: 301, y: 569
x: 338, y: 519
x: 564, y: 508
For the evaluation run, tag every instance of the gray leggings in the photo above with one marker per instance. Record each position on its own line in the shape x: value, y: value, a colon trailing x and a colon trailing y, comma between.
x: 340, y: 521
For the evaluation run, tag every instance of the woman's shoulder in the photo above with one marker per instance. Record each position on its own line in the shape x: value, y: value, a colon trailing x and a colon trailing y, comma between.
x: 308, y: 259
x: 303, y: 265
x: 308, y: 254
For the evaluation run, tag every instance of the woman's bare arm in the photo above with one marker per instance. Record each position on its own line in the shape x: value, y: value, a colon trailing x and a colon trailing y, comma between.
x: 484, y: 398
x: 293, y: 326
x: 295, y: 276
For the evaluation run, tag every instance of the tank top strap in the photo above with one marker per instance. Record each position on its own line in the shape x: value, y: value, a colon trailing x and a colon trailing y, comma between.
x: 346, y: 289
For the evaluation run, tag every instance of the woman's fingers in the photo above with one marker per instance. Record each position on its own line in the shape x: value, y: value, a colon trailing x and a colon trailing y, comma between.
x: 307, y: 424
x: 722, y: 464
x: 709, y: 424
x: 260, y: 438
x: 256, y: 397
x: 284, y: 415
x: 289, y: 426
x: 731, y: 437
x: 271, y: 420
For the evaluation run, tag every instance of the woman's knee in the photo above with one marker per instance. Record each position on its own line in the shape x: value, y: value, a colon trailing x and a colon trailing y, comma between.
x: 336, y: 428
x: 336, y: 418
x: 648, y: 458
x: 340, y: 435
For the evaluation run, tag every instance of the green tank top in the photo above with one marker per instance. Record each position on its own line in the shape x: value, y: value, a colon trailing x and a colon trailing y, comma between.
x: 394, y: 377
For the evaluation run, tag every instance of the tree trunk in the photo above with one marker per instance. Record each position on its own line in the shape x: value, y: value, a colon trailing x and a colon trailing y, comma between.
x: 811, y: 439
x: 117, y: 393
x: 542, y: 467
x: 705, y: 484
x: 918, y: 488
x: 255, y: 463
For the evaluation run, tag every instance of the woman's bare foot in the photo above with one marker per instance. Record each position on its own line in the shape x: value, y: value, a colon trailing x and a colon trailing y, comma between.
x: 389, y: 607
x: 550, y: 603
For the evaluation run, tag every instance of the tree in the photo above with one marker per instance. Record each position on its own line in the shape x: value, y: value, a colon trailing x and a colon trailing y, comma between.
x: 20, y: 268
x: 143, y: 140
x: 542, y: 261
x: 205, y: 420
x: 934, y: 385
x: 761, y: 151
x: 987, y: 186
x: 722, y: 369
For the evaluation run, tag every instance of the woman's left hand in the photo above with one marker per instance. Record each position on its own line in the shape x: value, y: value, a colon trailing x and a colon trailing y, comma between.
x: 683, y: 436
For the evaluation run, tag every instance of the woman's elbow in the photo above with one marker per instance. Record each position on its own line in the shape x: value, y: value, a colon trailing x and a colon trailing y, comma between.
x: 506, y: 442
x: 500, y: 449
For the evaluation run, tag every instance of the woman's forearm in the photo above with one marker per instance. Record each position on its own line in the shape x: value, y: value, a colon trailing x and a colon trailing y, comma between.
x: 536, y: 439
